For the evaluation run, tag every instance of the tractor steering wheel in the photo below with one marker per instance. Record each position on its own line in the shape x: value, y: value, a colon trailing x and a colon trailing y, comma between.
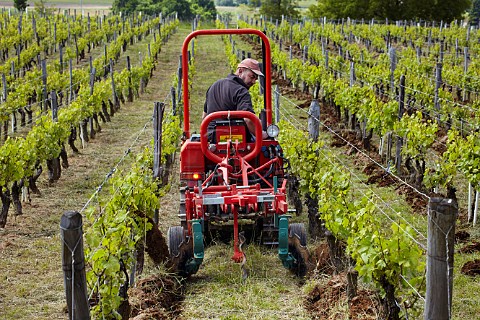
x: 226, y: 115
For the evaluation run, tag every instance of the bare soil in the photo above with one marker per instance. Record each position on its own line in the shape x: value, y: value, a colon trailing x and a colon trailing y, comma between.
x: 325, y: 299
x: 471, y: 248
x: 156, y: 297
x: 471, y: 268
x: 461, y: 236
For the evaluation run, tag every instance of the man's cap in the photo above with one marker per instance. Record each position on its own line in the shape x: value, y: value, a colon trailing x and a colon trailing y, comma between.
x: 251, y: 64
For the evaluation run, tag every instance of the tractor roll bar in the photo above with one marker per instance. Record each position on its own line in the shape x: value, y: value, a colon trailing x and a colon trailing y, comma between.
x: 230, y: 114
x: 266, y: 63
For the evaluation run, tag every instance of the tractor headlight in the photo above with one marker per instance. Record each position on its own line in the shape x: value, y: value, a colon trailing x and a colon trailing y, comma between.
x: 272, y: 131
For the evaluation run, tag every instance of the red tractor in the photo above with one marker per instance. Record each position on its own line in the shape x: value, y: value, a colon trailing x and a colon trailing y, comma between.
x: 232, y: 180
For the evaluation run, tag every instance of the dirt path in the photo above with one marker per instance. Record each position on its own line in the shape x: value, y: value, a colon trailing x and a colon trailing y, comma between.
x: 31, y: 283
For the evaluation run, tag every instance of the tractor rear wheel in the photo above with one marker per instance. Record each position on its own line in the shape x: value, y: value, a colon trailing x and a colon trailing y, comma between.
x: 297, y: 242
x: 180, y: 249
x: 175, y: 236
x: 298, y: 229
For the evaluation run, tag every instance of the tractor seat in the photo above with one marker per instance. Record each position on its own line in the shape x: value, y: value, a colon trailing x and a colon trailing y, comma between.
x: 222, y: 130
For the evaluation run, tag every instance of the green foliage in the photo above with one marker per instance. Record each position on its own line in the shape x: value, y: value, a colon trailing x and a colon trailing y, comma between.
x: 204, y: 8
x: 113, y: 232
x: 446, y: 10
x: 276, y: 8
x: 125, y: 6
x: 20, y: 5
x: 186, y: 9
x: 42, y: 7
x: 419, y: 134
x: 226, y: 3
x: 18, y: 157
x: 380, y: 253
x: 475, y: 12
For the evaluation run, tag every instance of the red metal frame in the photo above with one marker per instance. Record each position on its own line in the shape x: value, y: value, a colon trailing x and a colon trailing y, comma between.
x: 267, y: 71
x: 228, y: 115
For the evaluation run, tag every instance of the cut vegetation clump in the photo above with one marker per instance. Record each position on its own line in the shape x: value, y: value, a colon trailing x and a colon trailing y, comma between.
x: 328, y: 300
x: 156, y: 297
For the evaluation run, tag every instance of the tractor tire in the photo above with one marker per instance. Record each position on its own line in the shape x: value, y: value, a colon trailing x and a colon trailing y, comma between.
x: 175, y: 237
x: 298, y: 229
x: 297, y: 242
x: 180, y: 250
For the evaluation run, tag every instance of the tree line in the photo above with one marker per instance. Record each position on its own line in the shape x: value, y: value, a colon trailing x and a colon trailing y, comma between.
x: 446, y: 10
x: 186, y: 9
x: 437, y: 10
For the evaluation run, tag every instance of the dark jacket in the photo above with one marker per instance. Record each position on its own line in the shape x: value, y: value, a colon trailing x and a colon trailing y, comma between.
x: 229, y: 93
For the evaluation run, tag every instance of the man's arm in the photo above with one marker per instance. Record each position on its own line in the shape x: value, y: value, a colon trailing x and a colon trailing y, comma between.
x: 251, y: 128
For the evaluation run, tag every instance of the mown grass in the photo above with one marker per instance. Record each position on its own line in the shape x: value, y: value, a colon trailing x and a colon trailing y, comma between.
x: 465, y: 300
x: 218, y: 291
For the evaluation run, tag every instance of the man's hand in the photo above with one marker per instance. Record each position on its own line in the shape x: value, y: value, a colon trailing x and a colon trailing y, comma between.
x: 264, y: 135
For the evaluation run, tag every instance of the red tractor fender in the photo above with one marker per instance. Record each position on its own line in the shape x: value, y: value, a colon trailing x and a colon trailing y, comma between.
x: 226, y: 115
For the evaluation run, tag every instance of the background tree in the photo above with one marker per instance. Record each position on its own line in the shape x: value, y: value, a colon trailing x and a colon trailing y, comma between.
x: 182, y: 7
x: 254, y: 3
x: 42, y: 7
x: 125, y: 6
x: 446, y: 10
x: 205, y: 8
x: 449, y: 10
x: 276, y: 8
x: 20, y: 5
x: 186, y: 9
x: 226, y: 3
x: 475, y: 12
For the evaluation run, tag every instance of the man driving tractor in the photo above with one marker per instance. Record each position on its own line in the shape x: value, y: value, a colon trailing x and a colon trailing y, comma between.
x: 231, y: 93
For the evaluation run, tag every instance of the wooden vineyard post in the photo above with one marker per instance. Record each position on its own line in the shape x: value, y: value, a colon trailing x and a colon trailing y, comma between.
x: 158, y: 111
x: 465, y: 69
x: 4, y: 85
x: 352, y: 118
x: 401, y: 109
x: 393, y: 65
x: 92, y: 88
x: 438, y: 84
x: 130, y: 89
x: 116, y: 103
x: 5, y: 93
x: 304, y: 60
x: 70, y: 71
x: 314, y: 120
x: 174, y: 101
x: 60, y: 48
x: 44, y: 80
x: 442, y: 214
x: 276, y: 103
x: 475, y: 210
x: 73, y: 262
x: 314, y: 224
x: 179, y: 84
x: 53, y: 165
